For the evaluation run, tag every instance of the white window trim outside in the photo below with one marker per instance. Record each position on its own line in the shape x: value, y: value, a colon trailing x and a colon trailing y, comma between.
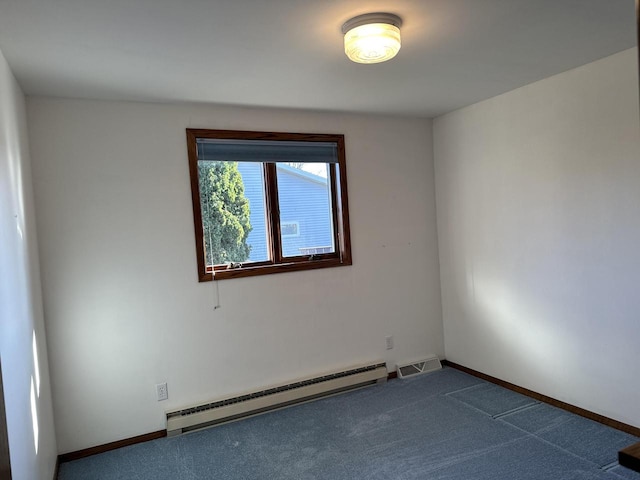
x: 296, y: 223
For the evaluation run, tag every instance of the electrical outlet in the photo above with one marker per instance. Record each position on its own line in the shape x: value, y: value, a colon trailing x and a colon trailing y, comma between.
x: 389, y: 340
x: 162, y: 392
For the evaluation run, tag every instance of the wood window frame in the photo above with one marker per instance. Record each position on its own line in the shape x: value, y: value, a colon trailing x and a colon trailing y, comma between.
x: 277, y: 263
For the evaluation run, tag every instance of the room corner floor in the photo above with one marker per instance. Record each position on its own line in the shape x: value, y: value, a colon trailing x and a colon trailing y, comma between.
x: 443, y: 425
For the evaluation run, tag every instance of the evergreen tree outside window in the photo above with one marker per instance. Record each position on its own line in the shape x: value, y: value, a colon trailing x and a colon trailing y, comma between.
x: 226, y: 212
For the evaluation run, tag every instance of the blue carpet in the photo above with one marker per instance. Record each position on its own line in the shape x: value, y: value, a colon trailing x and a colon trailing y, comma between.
x: 492, y: 399
x: 624, y: 472
x: 443, y: 425
x: 580, y: 436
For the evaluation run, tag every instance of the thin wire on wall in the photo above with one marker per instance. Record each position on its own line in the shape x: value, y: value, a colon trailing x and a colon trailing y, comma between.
x: 216, y: 287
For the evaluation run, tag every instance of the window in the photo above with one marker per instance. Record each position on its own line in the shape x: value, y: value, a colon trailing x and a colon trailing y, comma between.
x: 290, y: 229
x: 267, y: 202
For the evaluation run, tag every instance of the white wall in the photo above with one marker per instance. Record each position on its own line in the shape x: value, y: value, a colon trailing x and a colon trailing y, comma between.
x: 20, y: 298
x: 123, y: 305
x: 538, y: 202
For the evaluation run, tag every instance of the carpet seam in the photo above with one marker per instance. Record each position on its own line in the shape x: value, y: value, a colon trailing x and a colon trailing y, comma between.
x: 547, y: 442
x: 477, y: 385
x: 515, y: 410
x: 469, y: 406
x: 616, y: 474
x: 496, y: 416
x: 609, y: 466
x: 527, y: 407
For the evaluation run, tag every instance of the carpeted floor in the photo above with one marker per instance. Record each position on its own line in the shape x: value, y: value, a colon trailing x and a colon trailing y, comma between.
x: 443, y: 425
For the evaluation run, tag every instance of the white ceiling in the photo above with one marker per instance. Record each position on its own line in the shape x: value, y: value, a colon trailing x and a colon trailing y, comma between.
x: 288, y: 53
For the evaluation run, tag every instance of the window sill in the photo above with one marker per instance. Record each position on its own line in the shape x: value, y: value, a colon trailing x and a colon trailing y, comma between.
x: 252, y: 271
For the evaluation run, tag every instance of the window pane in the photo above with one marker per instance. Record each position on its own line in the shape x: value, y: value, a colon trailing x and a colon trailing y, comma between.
x: 233, y: 211
x: 306, y: 221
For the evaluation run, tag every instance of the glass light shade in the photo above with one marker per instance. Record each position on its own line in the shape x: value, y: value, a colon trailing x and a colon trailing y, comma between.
x: 372, y: 43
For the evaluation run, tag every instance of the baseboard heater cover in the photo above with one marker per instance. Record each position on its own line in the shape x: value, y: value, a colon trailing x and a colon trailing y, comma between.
x: 226, y: 410
x: 426, y: 365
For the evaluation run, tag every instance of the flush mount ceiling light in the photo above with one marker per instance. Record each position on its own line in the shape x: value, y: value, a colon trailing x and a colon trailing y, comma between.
x: 372, y: 37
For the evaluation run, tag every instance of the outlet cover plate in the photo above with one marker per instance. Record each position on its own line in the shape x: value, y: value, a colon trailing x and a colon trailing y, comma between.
x: 162, y: 392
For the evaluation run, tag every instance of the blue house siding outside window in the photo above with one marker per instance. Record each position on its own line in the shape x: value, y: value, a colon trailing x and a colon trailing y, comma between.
x: 304, y: 211
x: 254, y: 191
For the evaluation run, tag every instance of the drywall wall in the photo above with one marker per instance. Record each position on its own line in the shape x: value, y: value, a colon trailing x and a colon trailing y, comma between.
x: 123, y: 305
x: 25, y: 375
x: 538, y: 206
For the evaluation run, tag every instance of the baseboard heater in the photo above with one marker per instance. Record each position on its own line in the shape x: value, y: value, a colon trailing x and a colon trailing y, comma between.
x: 229, y: 409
